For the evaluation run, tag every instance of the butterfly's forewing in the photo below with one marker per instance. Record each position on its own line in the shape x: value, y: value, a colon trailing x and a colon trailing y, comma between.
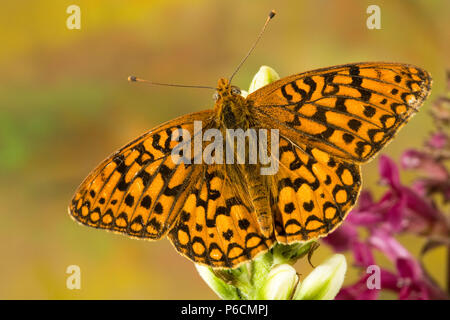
x: 350, y: 111
x: 313, y: 191
x: 139, y: 190
x: 217, y: 224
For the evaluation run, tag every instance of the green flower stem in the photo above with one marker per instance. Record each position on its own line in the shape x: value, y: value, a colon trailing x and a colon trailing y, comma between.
x: 266, y: 278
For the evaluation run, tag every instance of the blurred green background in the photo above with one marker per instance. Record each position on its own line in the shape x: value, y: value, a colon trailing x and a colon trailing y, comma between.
x: 65, y: 105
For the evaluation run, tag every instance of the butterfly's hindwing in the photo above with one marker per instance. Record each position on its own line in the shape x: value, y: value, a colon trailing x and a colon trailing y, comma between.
x: 218, y: 226
x: 312, y: 191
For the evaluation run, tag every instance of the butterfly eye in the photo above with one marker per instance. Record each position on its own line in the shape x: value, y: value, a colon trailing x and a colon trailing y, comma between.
x: 215, y: 96
x: 235, y: 90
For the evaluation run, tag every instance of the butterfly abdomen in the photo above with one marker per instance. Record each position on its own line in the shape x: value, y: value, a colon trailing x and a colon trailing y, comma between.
x: 259, y: 195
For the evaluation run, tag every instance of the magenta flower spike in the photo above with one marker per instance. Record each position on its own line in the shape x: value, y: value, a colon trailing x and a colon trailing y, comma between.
x: 417, y: 209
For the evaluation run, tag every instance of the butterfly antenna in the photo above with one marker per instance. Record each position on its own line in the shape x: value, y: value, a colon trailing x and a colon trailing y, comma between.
x: 269, y: 17
x: 134, y: 79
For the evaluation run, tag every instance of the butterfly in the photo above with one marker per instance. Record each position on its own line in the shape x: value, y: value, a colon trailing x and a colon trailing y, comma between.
x: 330, y: 121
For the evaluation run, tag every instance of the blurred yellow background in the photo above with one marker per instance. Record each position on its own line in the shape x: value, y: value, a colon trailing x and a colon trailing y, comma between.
x: 65, y: 105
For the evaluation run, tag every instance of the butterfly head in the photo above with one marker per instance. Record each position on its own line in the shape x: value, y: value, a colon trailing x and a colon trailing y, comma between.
x: 230, y: 105
x: 225, y: 90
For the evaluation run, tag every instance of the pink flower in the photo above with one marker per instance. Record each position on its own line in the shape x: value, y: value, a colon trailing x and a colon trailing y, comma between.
x: 413, y: 159
x: 401, y: 209
x: 438, y: 140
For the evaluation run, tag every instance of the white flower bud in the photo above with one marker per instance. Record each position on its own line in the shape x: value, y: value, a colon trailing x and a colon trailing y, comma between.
x: 263, y: 77
x: 325, y: 281
x: 279, y: 284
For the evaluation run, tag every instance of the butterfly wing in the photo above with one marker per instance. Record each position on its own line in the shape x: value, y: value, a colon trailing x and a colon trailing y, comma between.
x: 312, y: 192
x: 330, y: 120
x: 350, y: 111
x: 217, y: 225
x: 138, y: 190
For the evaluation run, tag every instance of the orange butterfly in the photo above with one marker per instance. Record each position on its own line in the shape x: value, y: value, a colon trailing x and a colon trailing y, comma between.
x: 329, y: 121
